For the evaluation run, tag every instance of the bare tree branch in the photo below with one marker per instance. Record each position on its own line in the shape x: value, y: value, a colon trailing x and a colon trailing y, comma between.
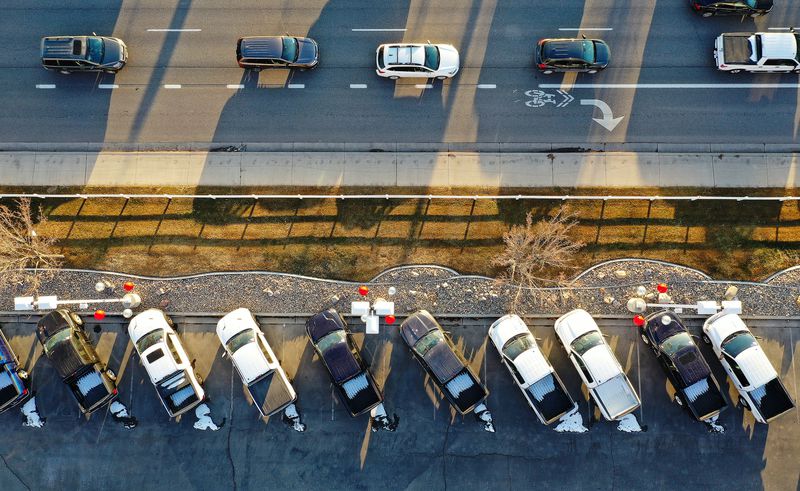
x: 23, y: 252
x: 535, y: 249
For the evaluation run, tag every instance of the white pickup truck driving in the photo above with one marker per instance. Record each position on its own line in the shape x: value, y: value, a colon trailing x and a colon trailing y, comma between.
x: 598, y: 367
x: 758, y: 52
x: 760, y: 389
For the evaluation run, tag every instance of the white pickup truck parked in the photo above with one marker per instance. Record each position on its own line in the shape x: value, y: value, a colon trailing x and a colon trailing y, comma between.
x: 757, y: 52
x: 596, y: 364
x: 760, y: 389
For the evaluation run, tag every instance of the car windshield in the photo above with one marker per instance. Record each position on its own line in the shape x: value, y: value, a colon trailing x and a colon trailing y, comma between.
x: 241, y: 339
x: 94, y: 50
x: 675, y: 343
x: 428, y: 341
x: 331, y: 339
x: 518, y: 345
x: 738, y: 343
x: 149, y: 339
x: 56, y: 339
x: 587, y: 342
x: 431, y: 57
x: 289, y: 49
x: 587, y: 49
x: 750, y: 3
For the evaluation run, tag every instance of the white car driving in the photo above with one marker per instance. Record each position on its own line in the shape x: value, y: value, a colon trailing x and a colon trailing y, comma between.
x: 406, y: 60
x: 167, y: 364
x: 256, y: 363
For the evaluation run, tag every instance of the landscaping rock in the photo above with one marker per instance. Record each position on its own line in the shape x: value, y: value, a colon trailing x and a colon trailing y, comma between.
x: 731, y: 292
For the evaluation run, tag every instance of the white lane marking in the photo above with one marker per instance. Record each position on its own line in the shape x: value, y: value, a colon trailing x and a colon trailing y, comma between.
x: 235, y: 86
x: 779, y: 28
x: 107, y: 86
x: 487, y: 86
x: 424, y: 86
x: 379, y: 30
x: 673, y: 86
x: 172, y: 86
x: 585, y: 28
x: 358, y: 86
x: 296, y: 86
x: 174, y: 30
x: 45, y: 86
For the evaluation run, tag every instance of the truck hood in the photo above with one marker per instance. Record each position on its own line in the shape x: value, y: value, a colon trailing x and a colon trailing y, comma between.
x: 250, y: 363
x: 113, y: 51
x: 448, y: 58
x: 506, y: 328
x: 719, y: 326
x: 307, y: 51
x: 574, y: 324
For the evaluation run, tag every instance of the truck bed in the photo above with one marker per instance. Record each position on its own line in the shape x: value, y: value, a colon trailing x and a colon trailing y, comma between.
x: 617, y: 396
x: 549, y: 397
x: 704, y: 399
x: 270, y: 393
x: 772, y: 399
x: 736, y: 49
x: 465, y: 391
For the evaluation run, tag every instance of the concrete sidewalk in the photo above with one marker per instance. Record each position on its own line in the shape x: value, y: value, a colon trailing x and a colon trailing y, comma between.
x: 403, y: 169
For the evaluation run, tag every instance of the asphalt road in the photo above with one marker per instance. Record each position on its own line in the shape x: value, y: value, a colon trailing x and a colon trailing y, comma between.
x: 653, y: 42
x: 432, y: 449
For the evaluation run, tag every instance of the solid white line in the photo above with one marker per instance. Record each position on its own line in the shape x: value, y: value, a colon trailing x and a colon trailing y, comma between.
x: 45, y: 86
x: 235, y: 86
x: 487, y: 86
x: 379, y: 30
x: 424, y: 86
x: 673, y: 86
x: 779, y: 28
x: 296, y: 86
x: 174, y: 30
x: 107, y: 86
x: 358, y: 86
x: 585, y: 28
x: 172, y: 86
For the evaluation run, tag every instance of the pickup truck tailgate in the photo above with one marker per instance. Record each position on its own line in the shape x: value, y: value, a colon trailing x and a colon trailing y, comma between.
x: 617, y: 396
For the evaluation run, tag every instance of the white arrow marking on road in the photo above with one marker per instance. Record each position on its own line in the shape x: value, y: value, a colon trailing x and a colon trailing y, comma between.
x: 608, y: 121
x: 567, y: 99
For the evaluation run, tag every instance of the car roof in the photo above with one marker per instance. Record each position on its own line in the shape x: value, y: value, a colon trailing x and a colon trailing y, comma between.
x: 341, y: 362
x: 779, y: 45
x: 756, y: 366
x: 563, y: 49
x: 760, y: 4
x: 64, y: 47
x: 261, y: 46
x: 416, y: 326
x: 601, y: 363
x: 404, y: 54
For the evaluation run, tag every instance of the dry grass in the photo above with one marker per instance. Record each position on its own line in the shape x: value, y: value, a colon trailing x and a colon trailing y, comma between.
x: 357, y: 239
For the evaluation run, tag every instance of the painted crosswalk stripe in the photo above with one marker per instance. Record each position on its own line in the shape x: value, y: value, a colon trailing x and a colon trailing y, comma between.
x: 358, y: 86
x: 107, y: 86
x: 172, y: 86
x: 235, y: 86
x: 45, y: 86
x: 296, y: 86
x: 487, y: 86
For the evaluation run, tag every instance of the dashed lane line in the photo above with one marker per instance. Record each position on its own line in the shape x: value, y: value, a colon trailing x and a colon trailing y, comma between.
x: 487, y: 86
x: 45, y: 86
x: 358, y: 86
x: 379, y: 30
x: 424, y: 86
x: 235, y: 86
x: 172, y: 86
x: 675, y: 86
x: 296, y: 86
x: 585, y: 28
x: 174, y: 30
x: 107, y: 86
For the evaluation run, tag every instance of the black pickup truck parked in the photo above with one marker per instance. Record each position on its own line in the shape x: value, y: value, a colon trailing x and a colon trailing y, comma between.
x: 354, y: 383
x: 14, y: 380
x: 437, y: 355
x: 696, y: 390
x: 72, y: 354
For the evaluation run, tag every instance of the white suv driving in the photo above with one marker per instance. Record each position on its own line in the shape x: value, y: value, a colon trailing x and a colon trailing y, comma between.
x: 406, y: 60
x: 166, y: 362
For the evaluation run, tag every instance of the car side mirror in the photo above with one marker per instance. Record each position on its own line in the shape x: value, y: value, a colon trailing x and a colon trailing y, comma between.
x: 94, y: 33
x: 583, y: 36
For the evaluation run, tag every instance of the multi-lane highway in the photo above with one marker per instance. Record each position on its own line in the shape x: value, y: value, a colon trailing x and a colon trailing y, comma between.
x: 182, y: 83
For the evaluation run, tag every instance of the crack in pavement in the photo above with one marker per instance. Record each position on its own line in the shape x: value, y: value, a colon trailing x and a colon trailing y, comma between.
x: 444, y: 456
x: 14, y: 473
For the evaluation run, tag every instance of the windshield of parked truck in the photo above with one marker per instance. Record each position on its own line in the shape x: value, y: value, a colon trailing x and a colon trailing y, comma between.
x: 737, y: 343
x: 587, y: 342
x: 518, y: 345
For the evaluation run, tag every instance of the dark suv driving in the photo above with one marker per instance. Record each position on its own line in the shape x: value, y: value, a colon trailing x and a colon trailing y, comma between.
x: 14, y: 381
x: 257, y: 52
x: 72, y: 354
x: 753, y: 8
x: 68, y: 54
x: 572, y: 55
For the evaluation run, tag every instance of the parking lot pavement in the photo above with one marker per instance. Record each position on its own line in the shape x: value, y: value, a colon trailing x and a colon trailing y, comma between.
x: 432, y: 449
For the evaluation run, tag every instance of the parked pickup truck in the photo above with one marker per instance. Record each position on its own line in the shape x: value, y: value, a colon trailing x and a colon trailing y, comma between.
x: 14, y: 381
x: 596, y: 364
x: 168, y: 366
x: 332, y: 341
x: 437, y: 355
x: 760, y: 389
x: 696, y: 389
x: 531, y: 371
x: 72, y: 354
x: 757, y: 52
x: 258, y: 367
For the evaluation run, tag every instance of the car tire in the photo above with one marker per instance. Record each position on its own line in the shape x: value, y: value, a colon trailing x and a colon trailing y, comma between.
x: 111, y: 374
x: 547, y: 72
x: 796, y: 71
x: 678, y: 400
x: 744, y: 403
x: 707, y: 14
x: 441, y: 77
x: 644, y: 338
x: 394, y: 77
x: 65, y: 72
x: 22, y: 374
x: 705, y: 338
x: 734, y: 72
x: 592, y: 71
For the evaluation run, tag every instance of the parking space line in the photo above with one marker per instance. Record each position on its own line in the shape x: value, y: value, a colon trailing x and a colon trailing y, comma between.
x: 358, y: 86
x: 424, y: 86
x: 379, y: 30
x: 585, y: 28
x: 639, y: 379
x: 794, y: 372
x: 675, y: 86
x: 296, y: 86
x: 235, y: 86
x: 487, y: 86
x: 172, y: 86
x: 174, y: 30
x: 45, y: 86
x: 107, y: 86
